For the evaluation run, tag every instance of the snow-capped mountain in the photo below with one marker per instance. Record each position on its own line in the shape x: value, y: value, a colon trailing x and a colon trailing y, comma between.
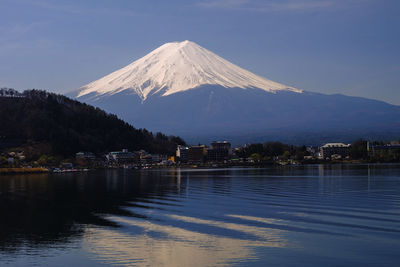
x: 183, y: 89
x: 177, y: 67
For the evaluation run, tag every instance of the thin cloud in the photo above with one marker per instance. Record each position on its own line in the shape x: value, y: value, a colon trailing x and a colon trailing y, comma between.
x: 278, y: 5
x: 78, y: 9
x: 16, y: 31
x: 224, y: 3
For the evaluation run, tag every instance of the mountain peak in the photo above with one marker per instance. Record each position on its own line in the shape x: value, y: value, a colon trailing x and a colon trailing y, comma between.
x: 176, y: 67
x: 181, y: 44
x: 186, y: 42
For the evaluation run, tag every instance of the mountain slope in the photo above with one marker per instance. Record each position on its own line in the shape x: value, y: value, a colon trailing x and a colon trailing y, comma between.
x: 213, y: 112
x: 177, y: 67
x: 69, y: 126
x: 182, y: 88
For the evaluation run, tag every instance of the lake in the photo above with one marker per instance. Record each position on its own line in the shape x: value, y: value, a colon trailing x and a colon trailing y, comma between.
x: 318, y: 215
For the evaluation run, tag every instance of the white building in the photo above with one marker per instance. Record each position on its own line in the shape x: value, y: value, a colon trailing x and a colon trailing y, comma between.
x: 338, y: 149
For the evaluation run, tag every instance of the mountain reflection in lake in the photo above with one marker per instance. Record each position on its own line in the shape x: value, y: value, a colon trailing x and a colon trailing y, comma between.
x: 304, y: 215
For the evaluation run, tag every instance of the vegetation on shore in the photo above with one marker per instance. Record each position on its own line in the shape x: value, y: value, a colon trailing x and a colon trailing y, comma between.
x: 272, y: 152
x: 38, y: 128
x: 49, y: 127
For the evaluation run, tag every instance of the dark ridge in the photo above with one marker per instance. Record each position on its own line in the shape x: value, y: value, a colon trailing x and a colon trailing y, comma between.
x: 63, y: 126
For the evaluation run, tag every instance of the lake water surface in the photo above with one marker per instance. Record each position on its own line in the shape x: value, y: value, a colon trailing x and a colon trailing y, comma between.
x: 338, y: 215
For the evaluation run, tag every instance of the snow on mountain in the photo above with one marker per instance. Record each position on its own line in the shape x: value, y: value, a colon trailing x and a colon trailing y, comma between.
x: 202, y: 97
x: 177, y: 67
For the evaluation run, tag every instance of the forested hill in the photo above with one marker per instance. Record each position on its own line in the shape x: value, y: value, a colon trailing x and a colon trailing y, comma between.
x: 67, y: 126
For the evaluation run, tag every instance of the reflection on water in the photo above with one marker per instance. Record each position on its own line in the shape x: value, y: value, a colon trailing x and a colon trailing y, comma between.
x: 163, y: 245
x: 307, y: 215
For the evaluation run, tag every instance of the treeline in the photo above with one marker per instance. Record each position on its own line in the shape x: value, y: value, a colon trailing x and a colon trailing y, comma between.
x: 378, y: 153
x: 9, y: 92
x: 54, y: 122
x: 270, y: 150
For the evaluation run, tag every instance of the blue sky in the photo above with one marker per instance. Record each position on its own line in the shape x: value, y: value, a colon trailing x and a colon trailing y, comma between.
x: 329, y: 46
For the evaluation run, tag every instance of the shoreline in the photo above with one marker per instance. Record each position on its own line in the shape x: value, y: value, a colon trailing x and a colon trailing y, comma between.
x: 22, y: 170
x: 6, y: 171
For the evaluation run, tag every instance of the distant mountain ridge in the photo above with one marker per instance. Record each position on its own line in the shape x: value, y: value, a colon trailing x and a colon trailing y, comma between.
x: 181, y: 88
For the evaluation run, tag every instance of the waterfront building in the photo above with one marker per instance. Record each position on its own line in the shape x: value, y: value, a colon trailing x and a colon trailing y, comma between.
x: 313, y: 150
x: 85, y: 155
x: 337, y: 149
x: 197, y: 154
x: 157, y: 158
x: 121, y: 157
x: 219, y: 151
x: 182, y: 153
x: 146, y: 159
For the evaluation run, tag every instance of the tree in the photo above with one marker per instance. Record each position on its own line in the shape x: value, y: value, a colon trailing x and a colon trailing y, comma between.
x: 286, y: 155
x: 3, y: 161
x: 256, y: 157
x: 358, y: 149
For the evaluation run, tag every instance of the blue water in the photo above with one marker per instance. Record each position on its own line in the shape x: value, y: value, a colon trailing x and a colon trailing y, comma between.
x: 338, y: 215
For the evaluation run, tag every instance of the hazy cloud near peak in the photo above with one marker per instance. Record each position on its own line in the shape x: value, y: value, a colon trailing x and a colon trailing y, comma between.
x: 278, y: 5
x: 224, y: 3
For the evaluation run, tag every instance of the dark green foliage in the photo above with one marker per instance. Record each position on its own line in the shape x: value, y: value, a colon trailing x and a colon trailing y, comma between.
x: 9, y: 92
x: 3, y: 161
x: 272, y: 149
x: 70, y: 126
x: 358, y: 149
